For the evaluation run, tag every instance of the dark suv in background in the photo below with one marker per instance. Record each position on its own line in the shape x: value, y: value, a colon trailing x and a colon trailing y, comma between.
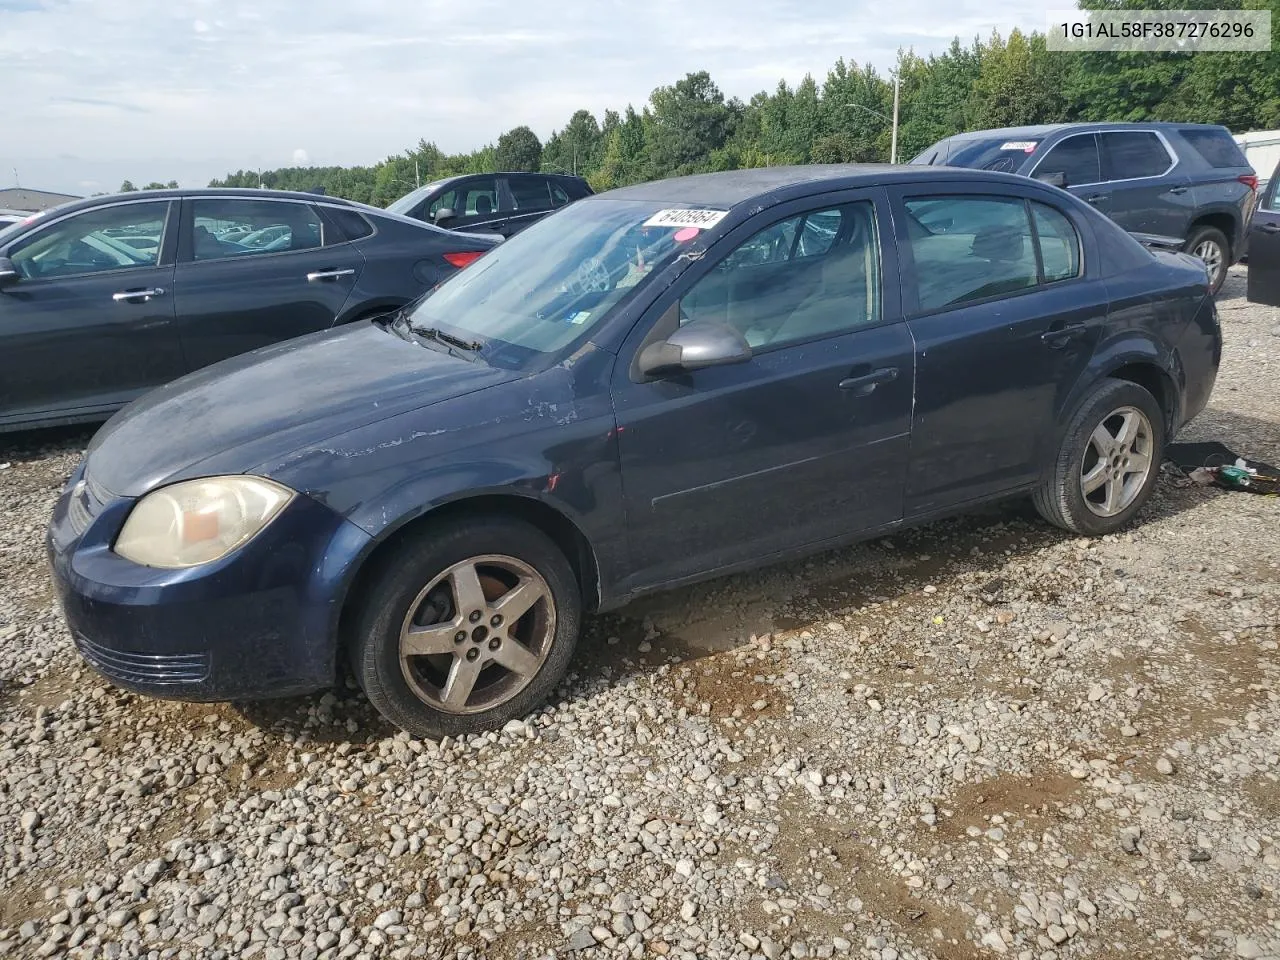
x: 1180, y: 186
x: 503, y: 203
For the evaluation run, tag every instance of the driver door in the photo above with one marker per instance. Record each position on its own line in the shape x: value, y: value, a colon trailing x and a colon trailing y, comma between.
x: 89, y: 326
x: 807, y: 441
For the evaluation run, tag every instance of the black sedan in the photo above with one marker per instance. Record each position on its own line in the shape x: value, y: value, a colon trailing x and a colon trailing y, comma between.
x: 653, y: 386
x: 103, y: 299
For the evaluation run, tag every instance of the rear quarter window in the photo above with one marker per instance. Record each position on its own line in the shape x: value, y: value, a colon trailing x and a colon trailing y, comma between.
x: 351, y: 224
x: 1215, y: 146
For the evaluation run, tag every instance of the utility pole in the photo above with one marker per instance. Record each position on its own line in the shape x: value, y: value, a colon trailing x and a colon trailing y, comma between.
x: 16, y: 182
x: 417, y: 173
x: 893, y: 146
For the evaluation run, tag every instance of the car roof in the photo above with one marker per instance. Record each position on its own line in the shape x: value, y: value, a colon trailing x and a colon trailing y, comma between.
x: 1039, y: 131
x: 251, y: 193
x: 732, y: 187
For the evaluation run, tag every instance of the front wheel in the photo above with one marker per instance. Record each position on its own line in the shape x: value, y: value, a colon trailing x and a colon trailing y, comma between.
x: 1107, y: 463
x: 1210, y: 245
x: 466, y: 627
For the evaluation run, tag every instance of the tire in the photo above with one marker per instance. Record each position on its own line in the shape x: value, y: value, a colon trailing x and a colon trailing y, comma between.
x: 510, y: 561
x: 1210, y: 238
x: 1061, y: 498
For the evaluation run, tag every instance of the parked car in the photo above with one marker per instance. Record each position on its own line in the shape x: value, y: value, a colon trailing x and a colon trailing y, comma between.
x: 1181, y: 186
x: 651, y: 387
x: 1264, y: 247
x: 10, y: 217
x: 503, y: 203
x: 90, y: 320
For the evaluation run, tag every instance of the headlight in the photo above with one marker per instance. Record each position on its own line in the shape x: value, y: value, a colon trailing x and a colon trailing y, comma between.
x: 199, y: 521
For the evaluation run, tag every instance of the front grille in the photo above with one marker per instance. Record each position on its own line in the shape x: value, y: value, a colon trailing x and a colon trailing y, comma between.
x: 145, y: 668
x: 86, y: 501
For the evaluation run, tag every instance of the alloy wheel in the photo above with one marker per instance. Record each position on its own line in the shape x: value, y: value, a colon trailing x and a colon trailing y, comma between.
x: 477, y: 634
x: 1117, y: 461
x: 1211, y: 254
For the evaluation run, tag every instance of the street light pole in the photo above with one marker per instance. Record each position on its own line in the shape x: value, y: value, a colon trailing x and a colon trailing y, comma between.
x: 893, y: 147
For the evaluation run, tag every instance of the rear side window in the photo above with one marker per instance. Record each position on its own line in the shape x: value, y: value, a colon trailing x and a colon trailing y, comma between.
x: 558, y: 196
x: 530, y: 193
x: 1130, y: 154
x: 351, y: 224
x: 1076, y: 158
x: 1059, y: 243
x: 1215, y: 146
x: 968, y: 248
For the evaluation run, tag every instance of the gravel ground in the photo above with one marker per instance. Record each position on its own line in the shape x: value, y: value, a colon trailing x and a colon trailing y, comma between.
x: 983, y: 738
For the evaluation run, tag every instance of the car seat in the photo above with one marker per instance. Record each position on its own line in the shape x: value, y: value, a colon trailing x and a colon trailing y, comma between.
x: 483, y: 205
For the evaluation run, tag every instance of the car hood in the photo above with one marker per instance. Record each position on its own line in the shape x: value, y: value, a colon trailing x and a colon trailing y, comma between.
x: 231, y: 416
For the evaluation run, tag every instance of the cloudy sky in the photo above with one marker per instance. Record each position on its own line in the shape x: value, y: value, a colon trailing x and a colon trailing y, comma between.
x: 99, y: 90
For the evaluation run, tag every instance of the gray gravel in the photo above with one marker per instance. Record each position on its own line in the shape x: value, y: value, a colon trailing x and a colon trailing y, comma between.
x: 980, y: 739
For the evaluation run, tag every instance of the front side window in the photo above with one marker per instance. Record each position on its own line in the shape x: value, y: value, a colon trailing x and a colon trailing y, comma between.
x: 111, y: 238
x: 1131, y: 154
x: 1076, y: 158
x: 800, y: 279
x: 226, y: 228
x: 477, y: 198
x: 969, y: 248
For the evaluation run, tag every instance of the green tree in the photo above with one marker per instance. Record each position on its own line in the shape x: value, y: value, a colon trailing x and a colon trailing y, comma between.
x: 624, y: 154
x: 127, y: 187
x: 518, y: 149
x: 1019, y: 82
x: 577, y: 149
x: 686, y: 123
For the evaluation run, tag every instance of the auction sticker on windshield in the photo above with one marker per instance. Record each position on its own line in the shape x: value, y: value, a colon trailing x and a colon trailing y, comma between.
x: 702, y: 219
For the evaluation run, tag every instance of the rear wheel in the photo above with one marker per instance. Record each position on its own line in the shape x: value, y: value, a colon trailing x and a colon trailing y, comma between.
x: 1210, y: 245
x: 467, y: 627
x: 1107, y: 463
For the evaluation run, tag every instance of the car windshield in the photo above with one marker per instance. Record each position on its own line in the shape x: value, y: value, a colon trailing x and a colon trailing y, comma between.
x: 551, y: 283
x: 1004, y: 154
x: 411, y: 200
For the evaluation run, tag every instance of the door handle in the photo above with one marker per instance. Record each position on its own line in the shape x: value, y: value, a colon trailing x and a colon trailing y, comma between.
x: 1178, y: 190
x: 867, y: 383
x: 1059, y: 337
x: 1096, y: 198
x: 328, y: 274
x: 127, y: 296
x: 1269, y: 227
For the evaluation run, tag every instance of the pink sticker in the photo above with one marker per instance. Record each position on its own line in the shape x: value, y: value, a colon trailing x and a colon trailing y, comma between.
x: 688, y: 233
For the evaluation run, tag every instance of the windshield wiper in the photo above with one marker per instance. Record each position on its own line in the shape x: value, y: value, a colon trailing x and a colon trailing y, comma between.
x: 454, y: 345
x: 474, y: 346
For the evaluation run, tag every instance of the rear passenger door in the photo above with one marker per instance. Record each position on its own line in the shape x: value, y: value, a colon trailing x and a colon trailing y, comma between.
x: 1005, y: 320
x: 290, y: 275
x: 476, y: 203
x: 1148, y: 192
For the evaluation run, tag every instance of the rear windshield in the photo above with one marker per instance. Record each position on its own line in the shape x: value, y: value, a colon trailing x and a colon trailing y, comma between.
x: 1216, y: 146
x: 1004, y: 154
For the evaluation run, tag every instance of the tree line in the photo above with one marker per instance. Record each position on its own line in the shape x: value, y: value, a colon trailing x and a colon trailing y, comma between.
x: 691, y: 127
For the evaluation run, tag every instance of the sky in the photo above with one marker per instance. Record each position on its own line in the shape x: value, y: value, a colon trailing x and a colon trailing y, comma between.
x: 97, y: 91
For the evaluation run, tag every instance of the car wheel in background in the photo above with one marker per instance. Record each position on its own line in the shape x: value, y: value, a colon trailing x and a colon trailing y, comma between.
x: 1210, y: 245
x: 466, y: 627
x: 1107, y: 463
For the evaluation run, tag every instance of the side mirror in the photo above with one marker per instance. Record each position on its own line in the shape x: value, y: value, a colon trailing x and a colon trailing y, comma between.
x: 444, y: 213
x: 703, y: 343
x: 1055, y: 179
x: 8, y: 272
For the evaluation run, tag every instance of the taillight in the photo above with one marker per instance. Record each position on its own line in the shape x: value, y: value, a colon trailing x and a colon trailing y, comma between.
x: 464, y: 257
x: 1250, y: 180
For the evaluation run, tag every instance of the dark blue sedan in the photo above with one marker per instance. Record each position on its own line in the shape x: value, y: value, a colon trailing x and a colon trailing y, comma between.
x: 652, y: 386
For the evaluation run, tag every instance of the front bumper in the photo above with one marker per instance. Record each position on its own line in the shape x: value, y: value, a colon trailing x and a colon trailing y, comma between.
x: 261, y: 622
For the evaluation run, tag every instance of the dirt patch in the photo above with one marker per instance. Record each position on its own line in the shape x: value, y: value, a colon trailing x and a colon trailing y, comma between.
x: 733, y: 690
x: 1036, y: 801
